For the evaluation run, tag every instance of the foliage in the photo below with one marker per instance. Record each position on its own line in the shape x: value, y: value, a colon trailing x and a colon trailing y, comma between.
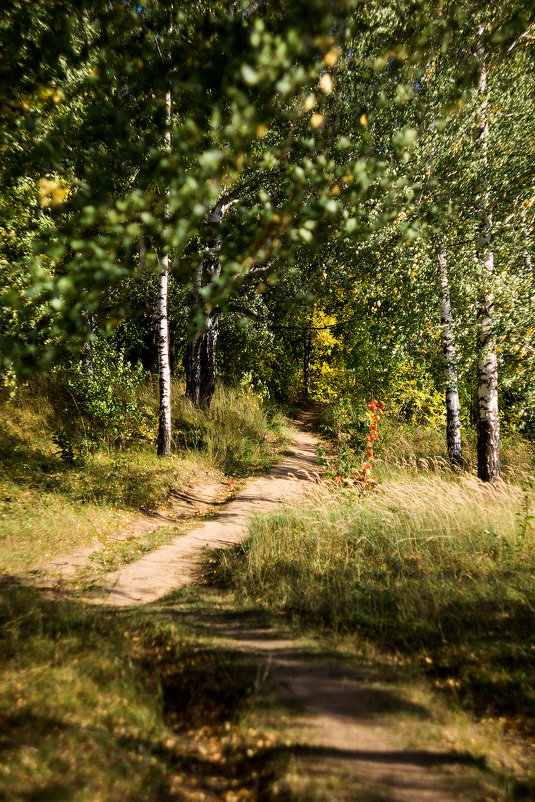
x: 101, y: 398
x: 342, y: 470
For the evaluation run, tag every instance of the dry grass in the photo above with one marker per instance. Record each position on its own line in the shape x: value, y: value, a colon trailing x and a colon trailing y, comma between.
x: 49, y: 507
x: 440, y: 570
x: 412, y: 449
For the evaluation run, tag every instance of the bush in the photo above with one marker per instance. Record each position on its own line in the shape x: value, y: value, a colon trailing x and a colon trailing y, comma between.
x: 100, y: 398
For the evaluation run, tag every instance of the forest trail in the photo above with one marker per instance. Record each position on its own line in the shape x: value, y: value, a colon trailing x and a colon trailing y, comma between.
x: 349, y: 726
x: 352, y: 730
x: 194, y: 500
x: 177, y: 564
x: 355, y: 733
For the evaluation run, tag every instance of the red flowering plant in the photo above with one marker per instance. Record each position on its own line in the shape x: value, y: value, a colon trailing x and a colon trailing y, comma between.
x: 343, y: 471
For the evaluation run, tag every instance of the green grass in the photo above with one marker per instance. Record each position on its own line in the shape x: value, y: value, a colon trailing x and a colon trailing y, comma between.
x: 239, y: 435
x: 121, y: 705
x: 405, y: 448
x: 156, y: 704
x: 437, y: 570
x: 49, y: 507
x: 127, y: 551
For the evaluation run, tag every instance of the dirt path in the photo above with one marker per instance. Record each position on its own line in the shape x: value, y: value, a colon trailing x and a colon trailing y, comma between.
x: 350, y: 727
x: 176, y: 564
x: 194, y: 500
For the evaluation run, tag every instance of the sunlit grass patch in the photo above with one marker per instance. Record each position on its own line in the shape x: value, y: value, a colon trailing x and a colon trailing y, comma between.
x: 238, y: 434
x: 50, y: 505
x: 35, y: 525
x: 441, y: 571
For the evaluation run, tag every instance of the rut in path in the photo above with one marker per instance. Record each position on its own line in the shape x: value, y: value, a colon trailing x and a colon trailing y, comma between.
x: 345, y: 716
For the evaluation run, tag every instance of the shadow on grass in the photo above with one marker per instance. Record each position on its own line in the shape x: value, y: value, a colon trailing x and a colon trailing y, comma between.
x: 156, y: 704
x: 477, y: 641
x: 114, y: 479
x: 473, y: 635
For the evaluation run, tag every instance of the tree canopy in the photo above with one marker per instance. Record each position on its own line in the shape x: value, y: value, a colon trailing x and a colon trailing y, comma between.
x: 276, y: 185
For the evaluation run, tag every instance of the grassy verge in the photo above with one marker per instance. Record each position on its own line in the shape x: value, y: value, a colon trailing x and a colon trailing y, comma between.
x: 238, y: 435
x: 408, y: 449
x: 156, y: 704
x: 123, y: 705
x: 49, y: 506
x: 438, y: 572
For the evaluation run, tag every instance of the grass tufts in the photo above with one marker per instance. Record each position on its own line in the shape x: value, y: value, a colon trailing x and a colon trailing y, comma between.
x: 438, y: 570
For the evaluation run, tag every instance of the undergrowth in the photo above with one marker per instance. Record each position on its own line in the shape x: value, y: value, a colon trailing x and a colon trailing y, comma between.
x: 100, y: 706
x: 405, y: 447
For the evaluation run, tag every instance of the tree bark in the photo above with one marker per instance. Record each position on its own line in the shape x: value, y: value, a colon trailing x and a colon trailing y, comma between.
x: 307, y: 354
x: 453, y: 410
x: 488, y: 424
x: 200, y: 356
x: 164, y: 417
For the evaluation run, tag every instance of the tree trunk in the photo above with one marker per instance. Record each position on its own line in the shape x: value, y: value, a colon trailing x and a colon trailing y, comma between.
x: 200, y: 357
x: 164, y: 418
x: 453, y: 410
x: 307, y: 354
x: 200, y: 364
x: 488, y: 425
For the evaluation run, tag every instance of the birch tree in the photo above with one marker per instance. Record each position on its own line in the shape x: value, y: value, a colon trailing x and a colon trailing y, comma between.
x: 453, y: 410
x: 164, y: 366
x: 488, y: 423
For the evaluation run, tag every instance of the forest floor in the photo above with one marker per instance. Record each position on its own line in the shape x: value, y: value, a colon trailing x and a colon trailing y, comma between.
x: 328, y: 725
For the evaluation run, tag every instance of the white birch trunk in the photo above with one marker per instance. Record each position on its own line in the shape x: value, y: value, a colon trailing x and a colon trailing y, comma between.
x: 488, y: 425
x: 164, y: 418
x: 453, y: 409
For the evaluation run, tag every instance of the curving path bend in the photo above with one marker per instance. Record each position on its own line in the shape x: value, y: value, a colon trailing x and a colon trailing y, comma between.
x: 176, y: 564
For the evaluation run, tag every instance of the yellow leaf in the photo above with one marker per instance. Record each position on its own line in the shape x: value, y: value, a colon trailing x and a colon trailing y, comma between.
x: 326, y: 83
x: 331, y: 58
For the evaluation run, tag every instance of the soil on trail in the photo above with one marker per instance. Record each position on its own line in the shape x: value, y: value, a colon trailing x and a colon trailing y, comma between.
x: 349, y: 726
x: 177, y: 564
x: 196, y: 499
x: 355, y: 733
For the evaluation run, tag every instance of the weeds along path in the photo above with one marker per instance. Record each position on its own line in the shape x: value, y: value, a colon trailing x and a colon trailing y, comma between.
x: 354, y: 729
x: 353, y: 734
x: 177, y: 564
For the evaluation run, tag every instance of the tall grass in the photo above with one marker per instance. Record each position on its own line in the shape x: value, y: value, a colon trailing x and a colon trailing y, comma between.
x: 238, y: 434
x: 412, y: 447
x: 405, y: 448
x: 438, y: 569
